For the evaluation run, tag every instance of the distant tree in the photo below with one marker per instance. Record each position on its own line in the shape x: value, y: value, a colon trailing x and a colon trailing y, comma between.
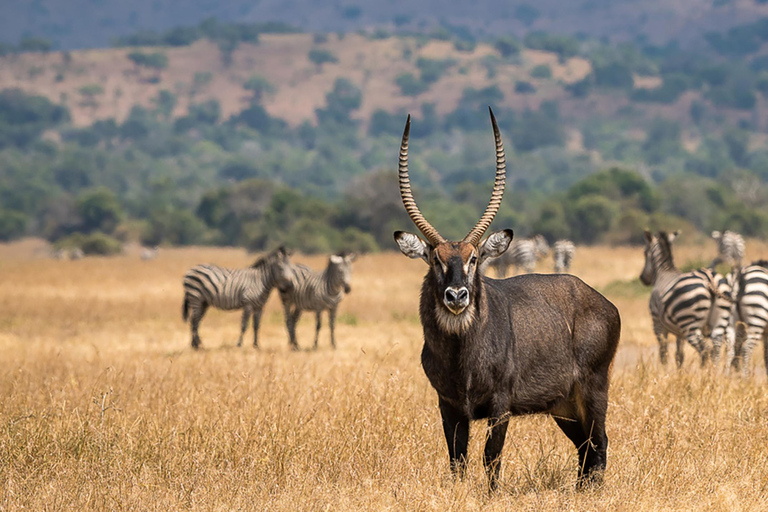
x: 541, y: 71
x: 89, y: 94
x: 345, y: 98
x: 34, y: 44
x: 507, y: 46
x: 259, y: 86
x: 12, y: 224
x: 523, y: 87
x: 99, y: 210
x: 156, y: 61
x: 410, y: 84
x: 207, y: 112
x: 165, y: 101
x: 320, y: 56
x: 564, y: 46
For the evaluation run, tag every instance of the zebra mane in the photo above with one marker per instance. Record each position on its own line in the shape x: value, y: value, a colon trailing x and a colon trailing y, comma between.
x: 264, y: 260
x: 666, y: 248
x: 761, y: 263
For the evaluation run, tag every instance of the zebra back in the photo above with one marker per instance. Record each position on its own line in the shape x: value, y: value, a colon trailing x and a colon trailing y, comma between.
x: 228, y: 289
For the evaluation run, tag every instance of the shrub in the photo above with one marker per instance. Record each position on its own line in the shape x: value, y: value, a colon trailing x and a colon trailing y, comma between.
x: 541, y: 71
x: 410, y: 85
x: 320, y: 56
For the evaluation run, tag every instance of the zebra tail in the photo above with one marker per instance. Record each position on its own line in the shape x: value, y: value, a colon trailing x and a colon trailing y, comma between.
x: 185, y: 308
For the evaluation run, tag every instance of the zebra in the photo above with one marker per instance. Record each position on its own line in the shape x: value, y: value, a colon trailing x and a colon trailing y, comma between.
x: 730, y: 248
x: 148, y: 253
x: 521, y: 253
x: 247, y: 289
x: 752, y: 310
x: 691, y: 305
x: 316, y: 291
x: 76, y: 254
x: 562, y: 252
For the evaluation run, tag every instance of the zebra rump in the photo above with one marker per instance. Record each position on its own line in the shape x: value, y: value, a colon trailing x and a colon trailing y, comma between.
x: 752, y: 311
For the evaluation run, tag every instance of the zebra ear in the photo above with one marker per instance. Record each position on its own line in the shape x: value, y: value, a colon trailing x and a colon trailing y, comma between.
x: 351, y: 257
x: 335, y: 258
x: 671, y: 237
x: 648, y: 236
x: 412, y: 246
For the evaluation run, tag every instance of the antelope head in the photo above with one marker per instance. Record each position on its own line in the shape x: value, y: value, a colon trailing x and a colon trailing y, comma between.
x: 453, y: 265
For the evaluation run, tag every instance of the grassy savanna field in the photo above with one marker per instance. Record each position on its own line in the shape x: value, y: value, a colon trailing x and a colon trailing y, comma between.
x: 104, y: 405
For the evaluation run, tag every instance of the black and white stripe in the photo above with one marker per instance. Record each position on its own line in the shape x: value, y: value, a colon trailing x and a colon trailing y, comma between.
x: 308, y: 290
x: 752, y: 309
x: 522, y: 254
x: 247, y: 289
x: 563, y: 252
x: 691, y: 305
x: 730, y: 248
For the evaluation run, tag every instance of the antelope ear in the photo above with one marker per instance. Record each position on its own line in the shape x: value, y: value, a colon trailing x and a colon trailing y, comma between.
x: 648, y: 237
x: 495, y: 245
x: 412, y: 246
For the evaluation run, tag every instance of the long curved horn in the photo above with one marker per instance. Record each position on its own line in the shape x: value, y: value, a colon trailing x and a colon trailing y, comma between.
x: 474, y: 236
x: 431, y: 234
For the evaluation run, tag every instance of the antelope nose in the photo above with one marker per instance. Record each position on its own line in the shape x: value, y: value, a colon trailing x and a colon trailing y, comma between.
x: 453, y: 295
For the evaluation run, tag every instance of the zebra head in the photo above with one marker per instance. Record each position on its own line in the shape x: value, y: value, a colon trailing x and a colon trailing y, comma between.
x: 658, y: 254
x: 453, y: 280
x: 276, y: 265
x: 340, y: 269
x: 541, y: 247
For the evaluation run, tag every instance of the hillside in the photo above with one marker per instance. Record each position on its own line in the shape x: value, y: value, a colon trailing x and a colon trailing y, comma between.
x: 300, y: 85
x: 93, y: 23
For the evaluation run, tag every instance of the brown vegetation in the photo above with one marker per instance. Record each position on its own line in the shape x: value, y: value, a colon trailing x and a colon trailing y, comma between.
x: 103, y: 405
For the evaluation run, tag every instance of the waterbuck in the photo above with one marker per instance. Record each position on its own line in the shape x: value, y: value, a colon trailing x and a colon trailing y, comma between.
x: 499, y: 348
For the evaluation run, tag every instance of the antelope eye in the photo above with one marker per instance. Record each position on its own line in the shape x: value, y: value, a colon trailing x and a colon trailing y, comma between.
x: 473, y: 260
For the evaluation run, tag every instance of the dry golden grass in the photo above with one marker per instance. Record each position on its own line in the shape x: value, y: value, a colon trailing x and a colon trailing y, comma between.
x: 103, y: 405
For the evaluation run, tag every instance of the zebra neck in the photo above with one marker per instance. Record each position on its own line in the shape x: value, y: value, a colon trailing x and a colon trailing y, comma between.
x: 333, y: 284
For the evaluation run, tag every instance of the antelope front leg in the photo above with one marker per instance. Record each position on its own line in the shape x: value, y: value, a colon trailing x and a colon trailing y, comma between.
x: 456, y: 430
x: 497, y: 432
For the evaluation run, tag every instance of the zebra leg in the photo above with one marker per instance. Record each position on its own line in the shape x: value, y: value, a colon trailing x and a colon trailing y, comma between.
x: 317, y: 327
x: 295, y: 315
x: 256, y: 322
x: 679, y: 353
x: 289, y: 324
x: 753, y: 337
x: 197, y: 315
x: 697, y: 341
x: 332, y: 325
x: 661, y: 337
x: 243, y: 325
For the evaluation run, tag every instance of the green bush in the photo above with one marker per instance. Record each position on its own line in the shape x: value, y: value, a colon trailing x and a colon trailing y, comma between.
x: 320, y: 56
x: 541, y: 71
x: 410, y: 85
